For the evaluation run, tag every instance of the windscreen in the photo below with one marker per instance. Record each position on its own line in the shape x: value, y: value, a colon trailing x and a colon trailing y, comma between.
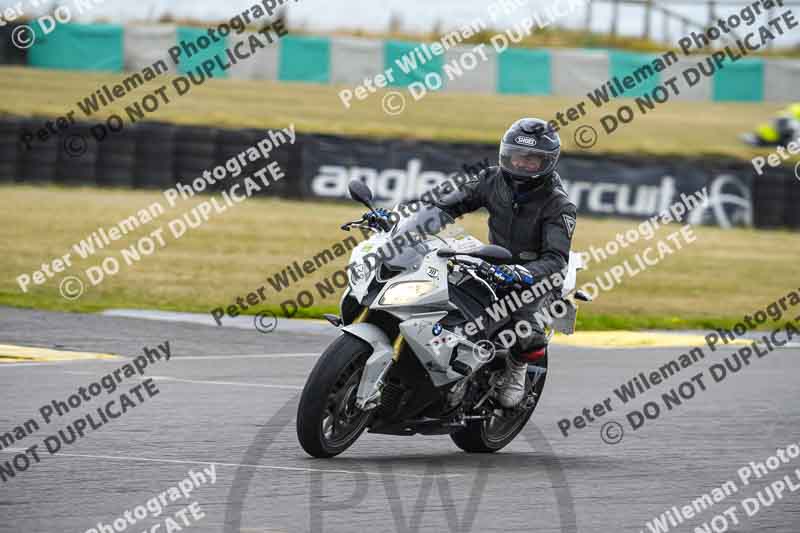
x: 421, y: 229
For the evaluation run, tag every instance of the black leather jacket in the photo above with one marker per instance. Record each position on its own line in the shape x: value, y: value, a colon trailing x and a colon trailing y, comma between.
x: 536, y: 226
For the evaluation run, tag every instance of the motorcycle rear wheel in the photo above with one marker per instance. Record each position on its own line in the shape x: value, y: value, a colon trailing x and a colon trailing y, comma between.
x: 328, y: 421
x: 494, y: 434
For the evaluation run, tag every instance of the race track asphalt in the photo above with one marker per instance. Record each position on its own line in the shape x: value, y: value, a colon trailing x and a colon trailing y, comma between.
x: 228, y: 396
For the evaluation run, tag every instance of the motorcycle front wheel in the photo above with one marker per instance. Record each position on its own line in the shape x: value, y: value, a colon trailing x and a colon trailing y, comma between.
x: 328, y: 420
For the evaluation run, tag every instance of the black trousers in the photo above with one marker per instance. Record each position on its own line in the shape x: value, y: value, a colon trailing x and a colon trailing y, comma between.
x: 526, y: 330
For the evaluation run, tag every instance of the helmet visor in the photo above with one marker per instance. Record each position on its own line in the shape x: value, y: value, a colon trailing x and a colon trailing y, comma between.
x: 523, y: 161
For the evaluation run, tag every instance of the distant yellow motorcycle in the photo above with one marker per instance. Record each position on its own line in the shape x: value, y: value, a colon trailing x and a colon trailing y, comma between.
x: 780, y: 132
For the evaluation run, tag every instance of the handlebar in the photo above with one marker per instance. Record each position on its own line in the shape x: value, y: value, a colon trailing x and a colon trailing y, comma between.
x: 382, y: 223
x: 368, y: 220
x: 487, y: 272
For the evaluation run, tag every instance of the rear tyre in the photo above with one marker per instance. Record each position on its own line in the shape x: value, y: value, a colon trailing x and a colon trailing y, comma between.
x: 328, y: 421
x: 488, y: 436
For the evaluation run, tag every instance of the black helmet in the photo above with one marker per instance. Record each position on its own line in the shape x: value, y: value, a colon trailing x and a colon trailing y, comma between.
x: 529, y: 150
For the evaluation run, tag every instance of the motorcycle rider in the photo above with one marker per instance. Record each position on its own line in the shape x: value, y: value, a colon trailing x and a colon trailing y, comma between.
x: 531, y: 215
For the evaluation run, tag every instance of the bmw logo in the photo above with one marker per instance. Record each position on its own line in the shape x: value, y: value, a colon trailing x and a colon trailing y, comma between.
x: 437, y: 329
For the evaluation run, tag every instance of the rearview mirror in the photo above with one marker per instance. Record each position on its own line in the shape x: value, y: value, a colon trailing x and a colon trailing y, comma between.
x: 492, y: 252
x: 360, y: 192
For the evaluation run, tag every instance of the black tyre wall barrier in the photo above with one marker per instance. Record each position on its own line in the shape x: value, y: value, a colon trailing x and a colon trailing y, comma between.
x: 770, y: 207
x: 155, y: 155
x: 39, y: 163
x: 116, y: 161
x: 146, y: 154
x: 77, y: 157
x: 230, y: 143
x: 9, y: 53
x: 282, y: 156
x: 792, y: 202
x: 195, y: 152
x: 10, y: 149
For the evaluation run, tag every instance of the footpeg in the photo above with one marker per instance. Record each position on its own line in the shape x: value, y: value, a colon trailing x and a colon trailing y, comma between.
x: 502, y: 353
x: 334, y: 320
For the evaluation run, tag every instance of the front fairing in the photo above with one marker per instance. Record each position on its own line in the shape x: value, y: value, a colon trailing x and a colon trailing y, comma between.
x: 360, y: 273
x: 407, y: 254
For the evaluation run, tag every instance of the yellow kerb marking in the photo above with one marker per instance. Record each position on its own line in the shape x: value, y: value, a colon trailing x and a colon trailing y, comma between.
x: 15, y: 354
x: 633, y: 339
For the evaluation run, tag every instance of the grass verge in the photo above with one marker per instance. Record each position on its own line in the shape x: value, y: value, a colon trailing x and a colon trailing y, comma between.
x: 689, y: 129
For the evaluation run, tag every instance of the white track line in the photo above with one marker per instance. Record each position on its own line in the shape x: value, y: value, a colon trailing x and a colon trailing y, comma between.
x: 62, y: 363
x: 6, y: 365
x: 177, y: 358
x: 237, y: 465
x: 232, y: 383
x: 252, y: 356
x: 181, y: 358
x: 201, y: 381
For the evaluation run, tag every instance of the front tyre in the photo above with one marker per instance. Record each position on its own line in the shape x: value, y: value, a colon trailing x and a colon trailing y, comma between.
x: 328, y: 421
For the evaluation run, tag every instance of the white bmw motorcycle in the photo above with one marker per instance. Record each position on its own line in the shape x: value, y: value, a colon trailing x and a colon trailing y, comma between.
x: 407, y: 360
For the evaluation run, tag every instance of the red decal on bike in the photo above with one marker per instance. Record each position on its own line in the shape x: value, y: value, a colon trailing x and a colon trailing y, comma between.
x: 534, y: 355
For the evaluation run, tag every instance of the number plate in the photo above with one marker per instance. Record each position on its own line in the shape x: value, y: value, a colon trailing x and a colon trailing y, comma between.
x: 566, y: 324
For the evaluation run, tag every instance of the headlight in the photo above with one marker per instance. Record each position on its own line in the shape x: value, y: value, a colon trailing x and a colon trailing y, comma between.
x: 406, y: 292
